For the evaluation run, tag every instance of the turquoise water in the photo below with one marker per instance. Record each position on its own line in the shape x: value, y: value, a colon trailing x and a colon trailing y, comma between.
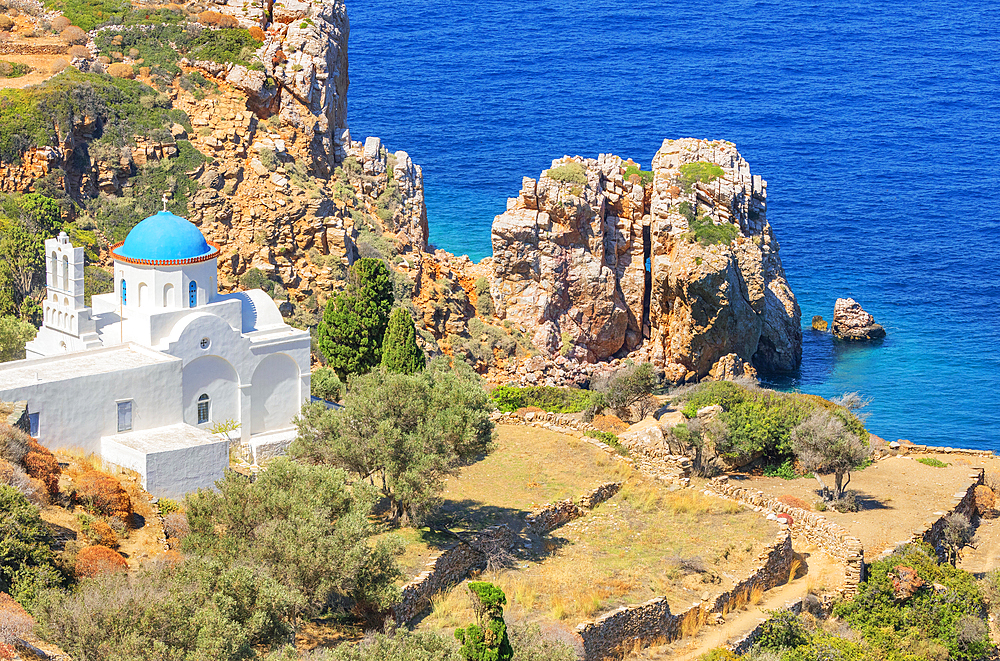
x: 875, y: 124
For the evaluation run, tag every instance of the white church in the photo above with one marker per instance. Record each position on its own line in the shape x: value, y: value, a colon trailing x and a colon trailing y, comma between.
x: 144, y: 376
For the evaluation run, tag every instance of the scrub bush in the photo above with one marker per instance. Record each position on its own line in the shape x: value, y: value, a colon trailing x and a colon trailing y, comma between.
x: 41, y: 464
x: 571, y: 173
x: 14, y: 444
x: 92, y: 561
x: 325, y: 384
x: 548, y: 398
x: 101, y: 494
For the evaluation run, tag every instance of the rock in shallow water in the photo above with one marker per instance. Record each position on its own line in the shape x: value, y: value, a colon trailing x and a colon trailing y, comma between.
x: 851, y: 322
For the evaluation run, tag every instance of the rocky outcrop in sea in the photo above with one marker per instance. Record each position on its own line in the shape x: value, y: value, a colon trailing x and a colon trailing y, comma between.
x: 851, y: 322
x: 596, y: 259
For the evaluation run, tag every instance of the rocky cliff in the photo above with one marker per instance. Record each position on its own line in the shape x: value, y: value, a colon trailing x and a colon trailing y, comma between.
x: 597, y: 259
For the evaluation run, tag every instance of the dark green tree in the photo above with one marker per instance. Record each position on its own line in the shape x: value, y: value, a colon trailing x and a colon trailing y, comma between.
x: 487, y: 639
x: 37, y: 213
x: 354, y: 322
x: 400, y: 353
x: 402, y: 432
x: 14, y: 334
x: 22, y: 258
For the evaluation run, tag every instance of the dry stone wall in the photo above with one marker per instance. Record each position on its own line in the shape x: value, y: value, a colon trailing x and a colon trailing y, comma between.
x: 816, y: 529
x: 652, y: 622
x: 551, y: 516
x: 19, y: 417
x: 448, y: 568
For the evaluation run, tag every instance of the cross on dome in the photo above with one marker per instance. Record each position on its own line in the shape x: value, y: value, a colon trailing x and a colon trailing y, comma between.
x: 165, y: 198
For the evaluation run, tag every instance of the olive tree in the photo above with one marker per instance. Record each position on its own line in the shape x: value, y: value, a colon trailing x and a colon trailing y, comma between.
x: 402, y: 433
x: 824, y: 443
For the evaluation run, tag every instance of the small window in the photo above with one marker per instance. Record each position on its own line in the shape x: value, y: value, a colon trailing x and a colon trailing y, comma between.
x: 203, y: 402
x: 33, y: 421
x: 124, y: 416
x: 193, y: 294
x: 205, y: 343
x: 123, y: 291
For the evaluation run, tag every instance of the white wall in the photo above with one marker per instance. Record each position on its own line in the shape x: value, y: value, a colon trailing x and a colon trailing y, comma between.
x: 215, y: 377
x: 75, y: 413
x: 275, y: 394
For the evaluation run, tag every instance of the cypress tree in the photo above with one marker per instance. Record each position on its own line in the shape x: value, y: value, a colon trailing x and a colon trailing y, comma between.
x: 353, y: 326
x: 400, y: 352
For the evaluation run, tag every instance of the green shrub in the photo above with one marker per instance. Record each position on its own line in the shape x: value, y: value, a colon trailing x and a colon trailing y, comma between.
x: 707, y: 233
x: 570, y: 173
x: 698, y: 171
x: 254, y: 278
x: 645, y: 176
x: 88, y: 14
x: 608, y: 438
x: 168, y: 506
x: 13, y: 69
x: 783, y: 630
x: 932, y: 461
x: 758, y: 420
x: 785, y: 471
x: 325, y: 384
x: 548, y: 398
x: 25, y: 551
x: 931, y: 615
x: 487, y: 639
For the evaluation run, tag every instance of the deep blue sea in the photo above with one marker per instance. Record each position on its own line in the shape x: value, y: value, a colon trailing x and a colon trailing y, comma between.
x: 877, y: 126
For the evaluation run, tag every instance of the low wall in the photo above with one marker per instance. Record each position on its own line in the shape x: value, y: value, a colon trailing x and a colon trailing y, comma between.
x: 551, y: 516
x: 932, y: 530
x: 448, y: 568
x: 15, y: 48
x: 652, y: 622
x: 805, y: 524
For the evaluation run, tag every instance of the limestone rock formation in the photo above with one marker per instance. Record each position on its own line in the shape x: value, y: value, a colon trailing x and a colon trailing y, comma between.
x: 819, y: 323
x: 731, y: 367
x: 680, y: 267
x: 851, y: 322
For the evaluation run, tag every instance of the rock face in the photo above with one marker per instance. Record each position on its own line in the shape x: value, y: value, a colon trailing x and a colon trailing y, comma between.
x: 305, y: 55
x: 851, y: 322
x: 679, y: 269
x: 731, y: 367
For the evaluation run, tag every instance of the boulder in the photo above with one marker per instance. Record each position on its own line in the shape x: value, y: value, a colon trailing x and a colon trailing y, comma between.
x: 731, y: 367
x: 819, y: 323
x: 851, y: 322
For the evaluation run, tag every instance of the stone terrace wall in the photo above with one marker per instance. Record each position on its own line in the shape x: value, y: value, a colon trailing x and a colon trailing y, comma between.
x: 963, y: 502
x: 820, y: 531
x: 652, y: 622
x: 743, y: 645
x: 551, y: 516
x: 448, y: 568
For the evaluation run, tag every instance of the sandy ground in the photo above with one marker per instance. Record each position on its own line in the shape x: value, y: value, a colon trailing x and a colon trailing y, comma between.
x: 899, y: 496
x: 41, y: 70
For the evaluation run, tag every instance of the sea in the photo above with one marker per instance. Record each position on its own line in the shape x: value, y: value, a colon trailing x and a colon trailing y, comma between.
x: 876, y: 125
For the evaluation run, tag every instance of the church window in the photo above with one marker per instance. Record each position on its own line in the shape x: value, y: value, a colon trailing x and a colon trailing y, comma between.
x: 123, y: 291
x: 33, y: 423
x: 205, y: 343
x: 65, y: 272
x: 124, y: 416
x: 203, y: 402
x: 193, y: 294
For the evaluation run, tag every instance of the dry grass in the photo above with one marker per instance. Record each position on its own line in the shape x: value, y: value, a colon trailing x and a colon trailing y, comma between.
x: 642, y: 543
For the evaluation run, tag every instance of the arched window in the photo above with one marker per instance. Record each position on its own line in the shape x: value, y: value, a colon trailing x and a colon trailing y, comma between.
x: 123, y: 291
x: 168, y: 295
x: 52, y: 281
x: 65, y: 270
x: 193, y: 294
x: 143, y: 299
x: 203, y: 402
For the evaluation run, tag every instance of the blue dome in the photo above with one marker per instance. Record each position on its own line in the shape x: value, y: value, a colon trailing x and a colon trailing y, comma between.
x: 164, y: 237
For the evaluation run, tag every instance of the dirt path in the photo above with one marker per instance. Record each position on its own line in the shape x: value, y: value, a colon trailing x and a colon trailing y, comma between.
x: 820, y: 572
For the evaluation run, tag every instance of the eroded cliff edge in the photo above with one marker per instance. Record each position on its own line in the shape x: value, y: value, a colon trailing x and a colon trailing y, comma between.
x: 595, y: 261
x: 679, y: 268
